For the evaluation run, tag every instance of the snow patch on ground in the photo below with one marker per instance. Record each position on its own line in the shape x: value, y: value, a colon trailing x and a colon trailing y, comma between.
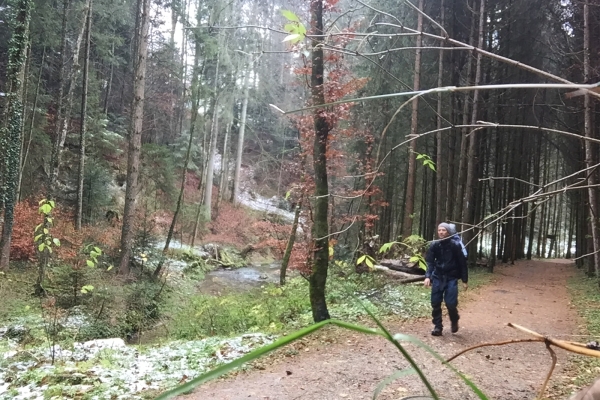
x: 109, y: 369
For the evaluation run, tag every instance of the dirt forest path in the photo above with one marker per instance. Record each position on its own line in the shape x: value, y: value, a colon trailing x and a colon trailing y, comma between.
x: 530, y: 293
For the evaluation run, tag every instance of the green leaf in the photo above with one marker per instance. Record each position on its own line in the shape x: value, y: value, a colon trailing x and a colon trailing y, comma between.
x: 49, y: 249
x: 291, y: 28
x: 110, y: 267
x: 386, y: 334
x: 361, y: 259
x: 296, y: 37
x: 432, y: 166
x: 52, y: 204
x: 41, y: 247
x: 290, y: 16
x: 56, y: 241
x: 87, y: 288
x: 407, y: 338
x: 90, y: 263
x: 288, y: 194
x: 414, y: 259
x: 385, y: 247
x: 98, y: 250
x: 35, y: 239
x: 391, y: 378
x: 46, y: 208
x: 301, y: 29
x: 420, y: 156
x: 45, y: 231
x: 331, y: 251
x: 369, y: 262
x: 38, y: 227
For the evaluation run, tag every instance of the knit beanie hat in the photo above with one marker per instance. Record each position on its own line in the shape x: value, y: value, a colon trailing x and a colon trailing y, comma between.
x: 451, y: 228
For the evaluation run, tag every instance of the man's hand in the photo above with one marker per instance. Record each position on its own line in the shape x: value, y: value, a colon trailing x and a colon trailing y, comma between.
x: 427, y: 282
x: 465, y: 285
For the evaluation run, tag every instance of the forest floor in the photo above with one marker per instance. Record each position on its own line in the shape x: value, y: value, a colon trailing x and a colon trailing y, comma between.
x: 339, y: 364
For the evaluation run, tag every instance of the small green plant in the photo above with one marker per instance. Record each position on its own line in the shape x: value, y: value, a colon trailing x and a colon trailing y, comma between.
x: 295, y: 28
x: 414, y: 246
x: 427, y: 161
x: 367, y: 259
x: 45, y: 242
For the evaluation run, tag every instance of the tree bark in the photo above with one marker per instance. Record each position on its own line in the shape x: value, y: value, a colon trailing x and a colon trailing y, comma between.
x: 83, y: 127
x: 290, y: 245
x: 320, y: 230
x: 10, y: 137
x: 135, y: 135
x: 407, y: 224
x: 588, y: 131
x: 60, y: 101
x: 31, y: 123
x: 66, y: 105
x: 240, y: 145
x: 468, y: 204
x: 441, y: 170
x: 210, y: 161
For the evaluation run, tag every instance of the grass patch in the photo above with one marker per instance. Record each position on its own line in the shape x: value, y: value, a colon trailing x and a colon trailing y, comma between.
x: 274, y: 309
x: 585, y: 297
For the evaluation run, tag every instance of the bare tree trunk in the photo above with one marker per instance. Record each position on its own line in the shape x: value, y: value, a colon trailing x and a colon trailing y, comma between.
x: 67, y: 104
x: 462, y: 169
x: 110, y: 79
x: 240, y: 145
x: 468, y: 204
x: 224, y: 181
x: 135, y: 135
x: 407, y: 224
x: 10, y: 137
x: 210, y: 164
x: 82, y: 132
x: 588, y: 131
x: 24, y: 119
x: 31, y: 124
x: 320, y: 231
x: 290, y: 244
x: 60, y: 100
x: 441, y: 170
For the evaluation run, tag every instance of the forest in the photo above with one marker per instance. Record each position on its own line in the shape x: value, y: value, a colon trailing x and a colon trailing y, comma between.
x: 184, y: 172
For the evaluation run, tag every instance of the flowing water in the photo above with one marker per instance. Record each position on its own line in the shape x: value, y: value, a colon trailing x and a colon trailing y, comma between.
x: 239, y: 279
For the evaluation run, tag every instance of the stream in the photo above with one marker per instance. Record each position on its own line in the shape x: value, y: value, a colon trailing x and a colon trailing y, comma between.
x: 228, y: 280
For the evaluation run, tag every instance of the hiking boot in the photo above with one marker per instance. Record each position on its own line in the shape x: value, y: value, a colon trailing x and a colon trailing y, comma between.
x: 454, y: 327
x: 436, y: 331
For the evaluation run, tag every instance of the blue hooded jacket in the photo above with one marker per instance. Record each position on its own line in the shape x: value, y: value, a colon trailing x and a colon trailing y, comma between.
x: 445, y: 258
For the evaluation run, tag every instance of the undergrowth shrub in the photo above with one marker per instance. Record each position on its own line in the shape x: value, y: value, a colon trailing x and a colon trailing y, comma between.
x: 144, y: 303
x: 269, y: 308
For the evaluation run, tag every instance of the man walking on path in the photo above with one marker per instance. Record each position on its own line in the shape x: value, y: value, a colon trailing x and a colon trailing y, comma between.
x: 446, y: 264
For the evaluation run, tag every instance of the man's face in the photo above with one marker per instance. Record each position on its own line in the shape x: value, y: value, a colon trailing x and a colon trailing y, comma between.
x: 442, y: 232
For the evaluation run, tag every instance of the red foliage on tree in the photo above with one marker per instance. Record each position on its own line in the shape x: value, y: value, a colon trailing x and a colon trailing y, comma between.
x: 26, y: 219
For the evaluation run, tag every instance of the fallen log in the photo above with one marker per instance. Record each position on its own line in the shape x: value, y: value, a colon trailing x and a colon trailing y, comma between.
x: 399, y: 265
x: 403, y: 277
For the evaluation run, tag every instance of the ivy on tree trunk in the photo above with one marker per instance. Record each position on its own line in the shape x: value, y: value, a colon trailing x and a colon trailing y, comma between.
x: 10, y: 137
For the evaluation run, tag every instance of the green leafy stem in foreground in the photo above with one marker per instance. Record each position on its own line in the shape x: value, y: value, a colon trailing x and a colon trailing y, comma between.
x: 395, y: 340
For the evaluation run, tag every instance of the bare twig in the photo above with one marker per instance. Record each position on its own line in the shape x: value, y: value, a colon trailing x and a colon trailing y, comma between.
x: 545, y: 384
x: 460, y: 353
